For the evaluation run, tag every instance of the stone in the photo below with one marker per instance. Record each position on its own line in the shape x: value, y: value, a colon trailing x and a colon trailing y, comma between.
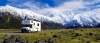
x: 1, y: 40
x: 14, y: 39
x: 20, y: 40
x: 78, y: 34
x: 90, y: 33
x: 55, y: 36
x: 6, y: 41
x: 41, y: 41
x: 51, y: 40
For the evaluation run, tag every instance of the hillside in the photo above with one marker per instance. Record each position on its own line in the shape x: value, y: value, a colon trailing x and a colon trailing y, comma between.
x: 9, y: 21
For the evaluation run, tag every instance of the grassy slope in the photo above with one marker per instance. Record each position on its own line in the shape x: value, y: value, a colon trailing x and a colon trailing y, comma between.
x: 63, y: 36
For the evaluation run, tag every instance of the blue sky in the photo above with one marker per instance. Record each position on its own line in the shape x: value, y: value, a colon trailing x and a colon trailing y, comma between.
x: 42, y: 6
x: 3, y: 2
x: 51, y: 3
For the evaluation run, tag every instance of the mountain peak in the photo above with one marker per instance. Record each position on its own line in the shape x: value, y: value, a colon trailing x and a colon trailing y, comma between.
x: 72, y: 18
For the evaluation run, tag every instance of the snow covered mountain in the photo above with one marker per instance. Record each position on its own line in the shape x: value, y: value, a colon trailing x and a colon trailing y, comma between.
x: 67, y: 18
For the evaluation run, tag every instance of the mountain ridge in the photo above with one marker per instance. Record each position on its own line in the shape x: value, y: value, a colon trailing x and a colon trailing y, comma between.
x: 67, y: 18
x: 8, y: 21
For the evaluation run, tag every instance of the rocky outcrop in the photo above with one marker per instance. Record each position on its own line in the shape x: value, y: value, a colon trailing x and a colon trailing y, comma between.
x: 15, y: 39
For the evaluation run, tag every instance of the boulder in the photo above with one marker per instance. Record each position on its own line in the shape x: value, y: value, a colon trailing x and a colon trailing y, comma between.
x: 51, y: 40
x: 40, y: 41
x: 7, y: 41
x: 90, y: 33
x: 1, y: 40
x: 20, y: 40
x: 55, y: 36
x: 14, y: 39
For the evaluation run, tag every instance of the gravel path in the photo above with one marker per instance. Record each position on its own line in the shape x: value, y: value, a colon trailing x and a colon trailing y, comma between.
x: 15, y: 33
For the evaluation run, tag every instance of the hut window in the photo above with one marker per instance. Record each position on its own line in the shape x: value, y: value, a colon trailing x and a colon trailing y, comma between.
x: 38, y: 24
x: 34, y: 23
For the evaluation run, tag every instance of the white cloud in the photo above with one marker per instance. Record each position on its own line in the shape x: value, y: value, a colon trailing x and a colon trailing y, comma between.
x: 66, y: 5
x: 13, y: 0
x: 30, y: 5
x: 73, y: 5
x: 91, y: 2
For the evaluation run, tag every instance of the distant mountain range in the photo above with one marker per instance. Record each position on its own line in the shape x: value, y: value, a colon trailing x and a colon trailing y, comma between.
x: 66, y: 19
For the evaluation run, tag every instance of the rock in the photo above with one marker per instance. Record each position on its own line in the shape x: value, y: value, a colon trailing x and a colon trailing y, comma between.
x: 13, y: 36
x: 6, y: 41
x: 62, y: 31
x: 27, y: 42
x: 90, y: 33
x: 51, y: 32
x: 20, y: 40
x: 72, y: 38
x: 81, y: 30
x: 88, y: 42
x: 14, y: 39
x: 41, y: 41
x: 1, y: 40
x: 51, y: 40
x: 78, y: 34
x: 7, y: 35
x: 45, y: 34
x: 17, y: 42
x: 66, y: 34
x: 55, y: 36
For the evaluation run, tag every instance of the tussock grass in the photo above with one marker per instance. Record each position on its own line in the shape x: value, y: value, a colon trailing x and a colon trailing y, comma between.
x: 87, y: 35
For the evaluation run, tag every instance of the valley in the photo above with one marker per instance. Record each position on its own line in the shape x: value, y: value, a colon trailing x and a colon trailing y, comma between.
x: 51, y: 21
x: 80, y: 35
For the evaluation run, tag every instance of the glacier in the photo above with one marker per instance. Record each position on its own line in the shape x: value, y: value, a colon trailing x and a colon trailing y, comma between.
x: 66, y: 18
